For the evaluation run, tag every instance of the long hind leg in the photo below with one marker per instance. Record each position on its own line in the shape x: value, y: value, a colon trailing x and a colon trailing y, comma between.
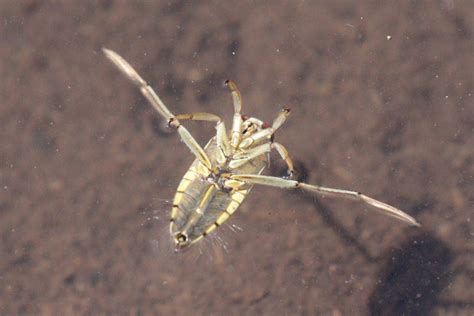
x: 156, y: 102
x: 329, y: 192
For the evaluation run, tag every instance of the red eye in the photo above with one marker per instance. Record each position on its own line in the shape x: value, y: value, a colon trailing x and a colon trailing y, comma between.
x: 265, y: 125
x: 245, y: 117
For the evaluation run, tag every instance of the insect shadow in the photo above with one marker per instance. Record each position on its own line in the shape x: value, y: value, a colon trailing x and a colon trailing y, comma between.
x: 412, y: 277
x: 302, y: 174
x: 413, y: 274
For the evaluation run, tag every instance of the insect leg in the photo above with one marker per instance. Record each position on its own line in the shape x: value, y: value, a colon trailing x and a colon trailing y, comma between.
x: 243, y: 158
x: 337, y: 193
x: 146, y: 90
x: 237, y: 121
x: 198, y: 116
x: 222, y: 140
x: 236, y: 96
x: 284, y: 155
x: 280, y: 119
x: 153, y: 98
x: 266, y: 133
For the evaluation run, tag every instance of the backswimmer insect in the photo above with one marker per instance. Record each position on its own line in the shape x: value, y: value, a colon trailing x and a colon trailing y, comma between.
x: 227, y: 168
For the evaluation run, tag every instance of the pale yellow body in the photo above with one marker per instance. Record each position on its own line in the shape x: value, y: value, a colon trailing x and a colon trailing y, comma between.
x: 199, y: 206
x: 226, y: 169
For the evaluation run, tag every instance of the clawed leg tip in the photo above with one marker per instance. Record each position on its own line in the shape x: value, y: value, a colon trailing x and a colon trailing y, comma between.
x: 231, y: 85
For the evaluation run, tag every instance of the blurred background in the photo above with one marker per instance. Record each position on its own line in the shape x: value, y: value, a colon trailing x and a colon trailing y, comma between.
x: 381, y: 99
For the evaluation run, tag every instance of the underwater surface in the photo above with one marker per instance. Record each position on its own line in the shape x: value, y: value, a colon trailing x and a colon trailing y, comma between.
x: 381, y: 100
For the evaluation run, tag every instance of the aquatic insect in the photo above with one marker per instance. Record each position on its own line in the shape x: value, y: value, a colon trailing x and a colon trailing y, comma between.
x: 227, y: 168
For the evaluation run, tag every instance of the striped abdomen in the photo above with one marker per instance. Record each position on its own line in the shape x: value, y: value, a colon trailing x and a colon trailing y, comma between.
x: 199, y: 207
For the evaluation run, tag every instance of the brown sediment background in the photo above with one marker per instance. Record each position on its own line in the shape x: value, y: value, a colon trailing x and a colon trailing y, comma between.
x: 381, y: 99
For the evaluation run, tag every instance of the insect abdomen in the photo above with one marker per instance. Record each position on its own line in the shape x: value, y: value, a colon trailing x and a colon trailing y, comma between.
x: 199, y: 207
x: 190, y: 216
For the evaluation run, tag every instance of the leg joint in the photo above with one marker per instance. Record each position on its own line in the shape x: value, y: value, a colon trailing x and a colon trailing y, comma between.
x: 173, y: 122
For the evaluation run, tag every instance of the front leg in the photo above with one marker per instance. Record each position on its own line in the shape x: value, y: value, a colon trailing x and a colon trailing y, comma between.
x: 237, y: 120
